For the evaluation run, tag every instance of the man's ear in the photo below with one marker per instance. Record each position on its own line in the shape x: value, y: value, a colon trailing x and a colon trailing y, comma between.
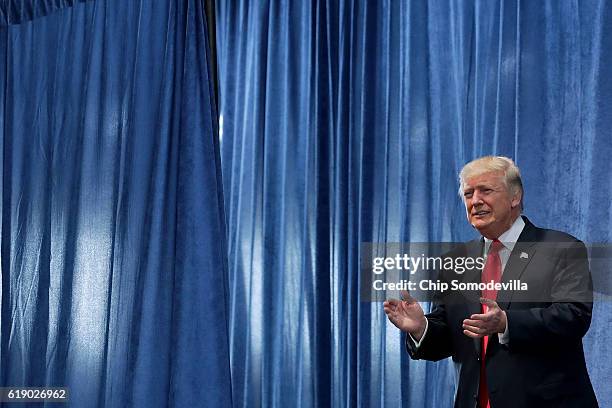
x: 516, y: 199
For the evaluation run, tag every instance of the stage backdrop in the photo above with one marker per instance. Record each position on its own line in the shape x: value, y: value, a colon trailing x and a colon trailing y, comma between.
x: 347, y: 121
x: 113, y: 237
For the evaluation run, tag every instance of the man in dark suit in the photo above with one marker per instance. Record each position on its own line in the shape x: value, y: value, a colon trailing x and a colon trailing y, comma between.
x: 513, y: 347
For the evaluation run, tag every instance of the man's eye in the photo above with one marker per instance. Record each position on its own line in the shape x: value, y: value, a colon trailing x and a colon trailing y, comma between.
x: 467, y: 195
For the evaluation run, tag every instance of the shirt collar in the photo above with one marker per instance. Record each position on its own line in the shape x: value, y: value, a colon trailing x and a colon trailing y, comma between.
x: 509, y: 237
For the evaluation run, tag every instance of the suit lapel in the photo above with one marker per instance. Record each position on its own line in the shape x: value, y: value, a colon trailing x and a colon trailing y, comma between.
x: 520, y: 257
x: 474, y: 249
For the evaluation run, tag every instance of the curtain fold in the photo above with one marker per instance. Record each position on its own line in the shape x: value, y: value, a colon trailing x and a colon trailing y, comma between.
x: 114, y: 270
x: 18, y: 11
x: 346, y: 122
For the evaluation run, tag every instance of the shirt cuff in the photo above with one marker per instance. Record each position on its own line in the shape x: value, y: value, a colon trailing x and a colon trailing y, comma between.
x: 504, y: 338
x: 417, y: 344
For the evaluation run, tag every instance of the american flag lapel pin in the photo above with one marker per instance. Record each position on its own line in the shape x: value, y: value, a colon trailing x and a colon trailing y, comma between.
x: 524, y: 255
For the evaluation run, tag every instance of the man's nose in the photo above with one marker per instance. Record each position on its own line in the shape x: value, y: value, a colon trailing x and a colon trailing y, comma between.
x: 476, y: 198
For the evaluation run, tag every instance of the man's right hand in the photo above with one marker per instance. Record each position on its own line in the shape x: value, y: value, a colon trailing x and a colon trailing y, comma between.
x: 407, y: 315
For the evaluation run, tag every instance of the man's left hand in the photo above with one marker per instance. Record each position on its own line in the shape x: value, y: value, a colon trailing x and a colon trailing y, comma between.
x: 491, y: 322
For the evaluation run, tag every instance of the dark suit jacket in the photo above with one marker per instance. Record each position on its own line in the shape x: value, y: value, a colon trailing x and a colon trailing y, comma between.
x: 543, y: 365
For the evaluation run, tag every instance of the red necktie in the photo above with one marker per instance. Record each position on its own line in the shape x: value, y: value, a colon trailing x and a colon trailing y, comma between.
x: 491, y: 272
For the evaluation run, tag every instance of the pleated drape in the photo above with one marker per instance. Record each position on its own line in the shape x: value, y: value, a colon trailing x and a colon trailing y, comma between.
x: 114, y: 272
x: 346, y: 122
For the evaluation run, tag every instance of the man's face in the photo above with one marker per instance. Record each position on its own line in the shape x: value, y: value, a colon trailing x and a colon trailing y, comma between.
x: 490, y: 206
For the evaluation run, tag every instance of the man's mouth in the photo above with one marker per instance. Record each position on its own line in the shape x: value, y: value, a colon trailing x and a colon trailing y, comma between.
x: 480, y: 213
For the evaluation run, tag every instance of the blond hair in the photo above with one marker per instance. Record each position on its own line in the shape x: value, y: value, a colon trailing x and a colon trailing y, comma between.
x: 489, y: 164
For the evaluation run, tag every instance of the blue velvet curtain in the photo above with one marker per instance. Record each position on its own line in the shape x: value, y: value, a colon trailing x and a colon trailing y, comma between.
x: 113, y: 253
x: 346, y: 122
